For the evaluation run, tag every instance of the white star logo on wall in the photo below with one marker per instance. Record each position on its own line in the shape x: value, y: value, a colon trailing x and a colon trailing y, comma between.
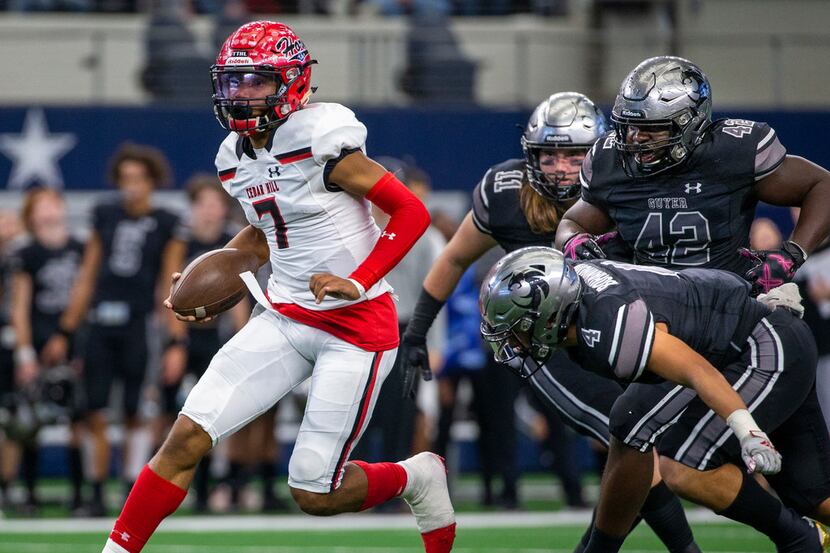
x: 35, y: 152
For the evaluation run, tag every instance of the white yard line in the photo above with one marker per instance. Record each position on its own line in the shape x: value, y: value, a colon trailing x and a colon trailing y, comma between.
x: 20, y: 547
x: 285, y: 523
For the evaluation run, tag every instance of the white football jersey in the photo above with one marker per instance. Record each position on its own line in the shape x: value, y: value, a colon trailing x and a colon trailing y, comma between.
x: 311, y: 226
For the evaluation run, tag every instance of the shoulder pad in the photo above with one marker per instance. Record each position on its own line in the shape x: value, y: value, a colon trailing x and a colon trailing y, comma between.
x: 226, y: 157
x: 757, y: 138
x: 333, y: 128
x: 508, y: 175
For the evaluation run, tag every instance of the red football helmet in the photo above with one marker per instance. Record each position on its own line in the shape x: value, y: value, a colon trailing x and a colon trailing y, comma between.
x: 261, y: 76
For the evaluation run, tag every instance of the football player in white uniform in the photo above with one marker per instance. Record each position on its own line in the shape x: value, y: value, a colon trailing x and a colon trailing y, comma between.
x: 301, y: 175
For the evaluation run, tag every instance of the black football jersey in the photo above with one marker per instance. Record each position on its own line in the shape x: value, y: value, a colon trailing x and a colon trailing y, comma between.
x: 695, y: 215
x: 709, y: 310
x: 497, y: 211
x: 132, y: 250
x: 6, y: 266
x: 53, y: 273
x: 195, y: 248
x: 201, y: 333
x: 497, y: 207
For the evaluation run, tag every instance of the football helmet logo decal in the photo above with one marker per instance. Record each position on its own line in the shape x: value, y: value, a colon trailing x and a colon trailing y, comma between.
x: 528, y: 288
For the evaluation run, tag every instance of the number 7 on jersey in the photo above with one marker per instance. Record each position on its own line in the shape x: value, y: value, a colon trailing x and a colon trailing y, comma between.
x: 268, y: 206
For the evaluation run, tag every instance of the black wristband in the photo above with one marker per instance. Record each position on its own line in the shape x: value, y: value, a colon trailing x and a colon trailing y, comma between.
x: 173, y: 341
x: 795, y: 251
x: 61, y: 331
x: 425, y: 312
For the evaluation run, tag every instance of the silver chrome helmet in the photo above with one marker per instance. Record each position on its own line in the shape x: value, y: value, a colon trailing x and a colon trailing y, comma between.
x: 662, y: 93
x: 565, y: 121
x: 532, y: 291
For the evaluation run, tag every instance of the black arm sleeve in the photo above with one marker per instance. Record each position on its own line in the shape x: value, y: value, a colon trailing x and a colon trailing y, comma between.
x: 425, y: 312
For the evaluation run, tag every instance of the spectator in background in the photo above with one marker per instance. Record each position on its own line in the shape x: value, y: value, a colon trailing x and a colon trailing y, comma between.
x: 175, y: 67
x: 813, y: 279
x: 10, y: 234
x: 463, y: 355
x: 254, y: 449
x: 127, y: 262
x: 408, y: 7
x: 764, y: 235
x: 495, y: 396
x: 50, y: 5
x: 494, y: 391
x: 43, y: 273
x: 436, y: 69
x: 186, y: 357
x: 232, y: 15
x: 558, y: 445
x: 486, y: 7
x: 397, y: 422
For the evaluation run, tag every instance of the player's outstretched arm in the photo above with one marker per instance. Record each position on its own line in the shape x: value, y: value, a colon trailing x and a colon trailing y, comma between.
x: 801, y: 183
x: 675, y: 361
x: 467, y: 244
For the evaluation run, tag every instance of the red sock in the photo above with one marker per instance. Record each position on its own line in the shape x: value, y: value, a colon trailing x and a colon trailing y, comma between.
x: 386, y: 480
x: 440, y: 540
x: 150, y: 501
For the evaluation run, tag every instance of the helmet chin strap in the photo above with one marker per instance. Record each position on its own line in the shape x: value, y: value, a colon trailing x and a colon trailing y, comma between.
x: 245, y: 127
x: 253, y: 125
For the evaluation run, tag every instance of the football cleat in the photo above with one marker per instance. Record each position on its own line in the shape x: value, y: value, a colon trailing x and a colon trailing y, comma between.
x: 823, y: 533
x: 427, y: 495
x: 823, y: 536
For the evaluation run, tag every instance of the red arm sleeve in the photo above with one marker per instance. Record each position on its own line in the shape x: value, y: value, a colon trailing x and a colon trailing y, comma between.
x: 408, y: 219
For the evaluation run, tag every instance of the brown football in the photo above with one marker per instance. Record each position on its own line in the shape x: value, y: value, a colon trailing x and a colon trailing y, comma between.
x: 210, y: 284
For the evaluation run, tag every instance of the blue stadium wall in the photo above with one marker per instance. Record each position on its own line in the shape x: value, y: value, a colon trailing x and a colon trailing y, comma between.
x: 454, y: 146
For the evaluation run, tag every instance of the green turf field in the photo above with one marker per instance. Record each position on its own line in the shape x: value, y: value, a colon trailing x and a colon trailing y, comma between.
x: 714, y: 537
x: 542, y: 526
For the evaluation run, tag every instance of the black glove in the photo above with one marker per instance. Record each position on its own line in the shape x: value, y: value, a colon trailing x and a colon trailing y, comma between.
x: 414, y: 359
x: 413, y: 355
x: 583, y: 246
x: 772, y: 268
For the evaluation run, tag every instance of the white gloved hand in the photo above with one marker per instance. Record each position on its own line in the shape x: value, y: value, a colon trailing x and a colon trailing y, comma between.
x: 787, y: 295
x: 759, y: 454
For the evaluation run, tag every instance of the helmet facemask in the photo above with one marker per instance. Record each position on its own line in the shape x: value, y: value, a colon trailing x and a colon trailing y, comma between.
x: 527, y: 337
x: 516, y: 340
x: 527, y: 302
x: 642, y: 159
x: 251, y: 115
x: 560, y: 186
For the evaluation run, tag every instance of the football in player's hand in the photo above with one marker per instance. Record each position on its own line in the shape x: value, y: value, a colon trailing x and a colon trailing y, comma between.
x: 210, y: 284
